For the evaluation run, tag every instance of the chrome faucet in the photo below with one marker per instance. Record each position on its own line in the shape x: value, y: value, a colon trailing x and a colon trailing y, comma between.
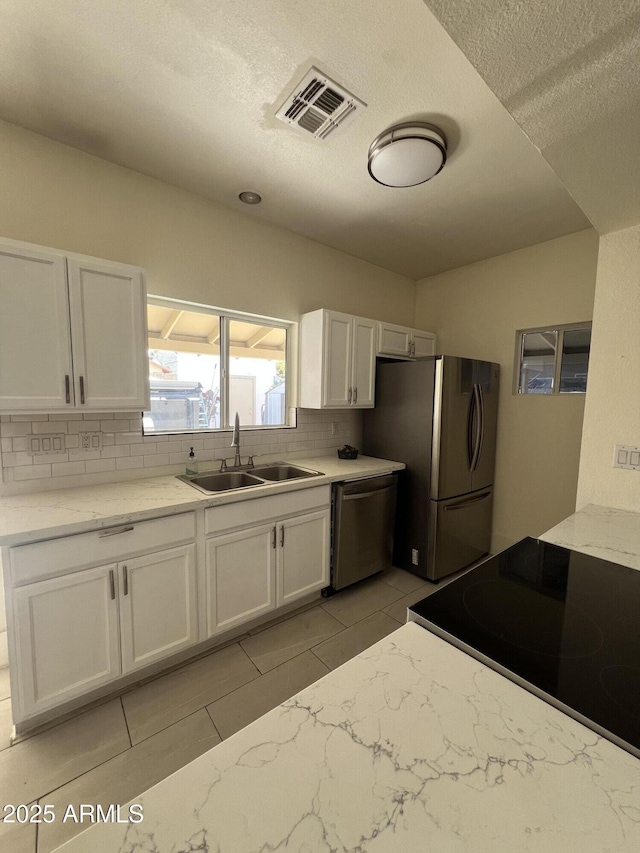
x: 235, y: 441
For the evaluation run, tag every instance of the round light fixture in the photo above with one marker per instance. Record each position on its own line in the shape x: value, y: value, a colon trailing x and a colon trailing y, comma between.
x: 407, y: 154
x: 249, y: 197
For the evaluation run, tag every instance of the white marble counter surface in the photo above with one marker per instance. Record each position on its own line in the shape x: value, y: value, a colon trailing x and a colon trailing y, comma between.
x: 42, y: 515
x: 411, y: 746
x: 601, y: 531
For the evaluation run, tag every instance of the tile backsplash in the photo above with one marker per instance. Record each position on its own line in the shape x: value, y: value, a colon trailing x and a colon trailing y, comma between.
x: 127, y: 454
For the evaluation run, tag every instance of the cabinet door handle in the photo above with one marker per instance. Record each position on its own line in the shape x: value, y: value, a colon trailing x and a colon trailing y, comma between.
x: 355, y: 396
x: 82, y: 390
x: 273, y: 537
x: 116, y: 532
x: 282, y: 536
x: 67, y: 388
x: 125, y: 579
x: 349, y: 395
x: 112, y: 584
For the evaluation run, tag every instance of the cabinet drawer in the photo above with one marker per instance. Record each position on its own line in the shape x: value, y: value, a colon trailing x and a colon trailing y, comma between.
x: 244, y: 513
x: 57, y: 556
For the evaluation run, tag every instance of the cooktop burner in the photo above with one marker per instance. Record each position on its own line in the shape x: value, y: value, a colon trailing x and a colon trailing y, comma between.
x: 559, y: 623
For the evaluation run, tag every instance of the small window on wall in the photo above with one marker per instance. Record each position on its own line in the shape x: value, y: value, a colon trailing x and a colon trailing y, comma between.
x: 552, y: 359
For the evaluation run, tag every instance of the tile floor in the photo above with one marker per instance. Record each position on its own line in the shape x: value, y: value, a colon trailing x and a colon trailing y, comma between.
x: 115, y: 751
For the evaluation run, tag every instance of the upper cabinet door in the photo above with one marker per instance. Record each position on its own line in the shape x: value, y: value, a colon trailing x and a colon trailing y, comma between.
x: 394, y: 340
x: 35, y: 347
x: 424, y: 343
x: 338, y: 331
x: 108, y: 326
x: 364, y: 363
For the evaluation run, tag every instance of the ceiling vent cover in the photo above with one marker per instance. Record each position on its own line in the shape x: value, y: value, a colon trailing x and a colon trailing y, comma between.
x: 318, y: 106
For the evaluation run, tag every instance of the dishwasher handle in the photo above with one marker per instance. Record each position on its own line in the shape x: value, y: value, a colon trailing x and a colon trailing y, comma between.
x: 357, y: 497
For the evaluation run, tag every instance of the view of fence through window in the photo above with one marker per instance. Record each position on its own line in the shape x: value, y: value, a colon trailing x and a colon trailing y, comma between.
x: 188, y: 353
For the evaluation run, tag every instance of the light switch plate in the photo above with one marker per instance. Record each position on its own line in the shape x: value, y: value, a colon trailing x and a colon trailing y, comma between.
x: 52, y: 444
x: 626, y: 456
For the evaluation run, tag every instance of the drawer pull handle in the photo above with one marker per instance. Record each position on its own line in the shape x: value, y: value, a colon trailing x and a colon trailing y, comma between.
x: 282, y: 536
x: 112, y: 583
x: 125, y: 579
x: 115, y: 532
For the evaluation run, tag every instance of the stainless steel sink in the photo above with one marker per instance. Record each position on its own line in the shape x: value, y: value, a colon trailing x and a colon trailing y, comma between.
x: 282, y: 471
x: 223, y: 482
x: 229, y: 480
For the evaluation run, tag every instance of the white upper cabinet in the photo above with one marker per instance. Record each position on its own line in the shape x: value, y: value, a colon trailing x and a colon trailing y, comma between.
x: 424, y: 343
x: 403, y: 342
x: 337, y: 360
x: 35, y: 346
x: 72, y: 332
x: 108, y: 329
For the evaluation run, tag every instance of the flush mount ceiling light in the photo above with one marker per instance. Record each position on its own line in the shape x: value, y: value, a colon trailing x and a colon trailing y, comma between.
x: 249, y: 197
x: 406, y: 155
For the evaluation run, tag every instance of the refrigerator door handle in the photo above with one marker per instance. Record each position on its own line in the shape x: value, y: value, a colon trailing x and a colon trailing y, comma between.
x: 465, y: 504
x: 481, y: 425
x: 477, y: 439
x: 470, y: 441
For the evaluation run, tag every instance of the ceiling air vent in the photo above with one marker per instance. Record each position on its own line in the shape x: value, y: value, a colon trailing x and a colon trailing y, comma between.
x: 318, y: 106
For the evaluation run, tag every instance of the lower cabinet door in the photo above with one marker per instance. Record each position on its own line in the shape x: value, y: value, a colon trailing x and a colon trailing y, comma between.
x: 303, y: 555
x: 66, y: 637
x: 158, y: 606
x: 240, y: 576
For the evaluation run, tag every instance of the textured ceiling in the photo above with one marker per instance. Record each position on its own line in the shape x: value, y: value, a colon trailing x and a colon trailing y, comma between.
x: 186, y: 91
x: 569, y: 74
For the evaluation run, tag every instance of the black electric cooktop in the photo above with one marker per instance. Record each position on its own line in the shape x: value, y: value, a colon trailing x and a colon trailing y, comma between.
x: 563, y: 625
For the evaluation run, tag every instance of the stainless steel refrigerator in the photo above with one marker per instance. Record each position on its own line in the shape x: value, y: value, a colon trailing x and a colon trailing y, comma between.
x: 438, y: 415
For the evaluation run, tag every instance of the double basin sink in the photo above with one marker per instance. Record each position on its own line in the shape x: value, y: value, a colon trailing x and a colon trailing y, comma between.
x: 230, y: 480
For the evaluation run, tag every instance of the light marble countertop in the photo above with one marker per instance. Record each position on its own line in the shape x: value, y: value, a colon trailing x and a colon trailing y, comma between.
x: 43, y: 515
x: 601, y: 531
x: 411, y: 746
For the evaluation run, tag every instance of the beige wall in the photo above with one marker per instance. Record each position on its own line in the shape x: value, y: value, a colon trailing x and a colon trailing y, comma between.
x: 476, y: 311
x: 192, y: 248
x: 612, y: 411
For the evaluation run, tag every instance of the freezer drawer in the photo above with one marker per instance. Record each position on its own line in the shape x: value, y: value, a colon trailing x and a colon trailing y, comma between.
x: 459, y: 532
x: 363, y: 520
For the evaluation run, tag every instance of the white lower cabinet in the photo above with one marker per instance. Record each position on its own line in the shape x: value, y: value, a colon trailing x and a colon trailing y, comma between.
x: 78, y: 631
x: 259, y: 568
x: 67, y: 637
x: 303, y: 564
x: 75, y: 627
x: 158, y: 606
x: 240, y: 577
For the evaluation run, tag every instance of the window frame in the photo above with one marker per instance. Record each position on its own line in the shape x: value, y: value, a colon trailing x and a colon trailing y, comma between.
x: 225, y: 316
x: 560, y: 330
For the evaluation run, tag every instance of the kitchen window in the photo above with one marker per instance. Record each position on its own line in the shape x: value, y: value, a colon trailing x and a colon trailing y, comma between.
x: 552, y: 359
x: 206, y: 364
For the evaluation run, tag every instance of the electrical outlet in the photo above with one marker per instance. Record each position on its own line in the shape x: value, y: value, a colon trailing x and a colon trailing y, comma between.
x: 414, y: 556
x: 334, y: 428
x: 90, y: 441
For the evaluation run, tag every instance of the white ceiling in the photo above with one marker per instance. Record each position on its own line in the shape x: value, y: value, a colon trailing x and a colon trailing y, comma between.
x: 186, y: 91
x: 569, y: 74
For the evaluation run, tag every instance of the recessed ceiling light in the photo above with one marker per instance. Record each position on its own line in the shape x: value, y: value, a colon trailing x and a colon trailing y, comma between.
x: 407, y: 154
x: 249, y: 197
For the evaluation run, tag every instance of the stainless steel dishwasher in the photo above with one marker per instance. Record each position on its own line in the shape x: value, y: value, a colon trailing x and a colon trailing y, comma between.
x: 363, y: 518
